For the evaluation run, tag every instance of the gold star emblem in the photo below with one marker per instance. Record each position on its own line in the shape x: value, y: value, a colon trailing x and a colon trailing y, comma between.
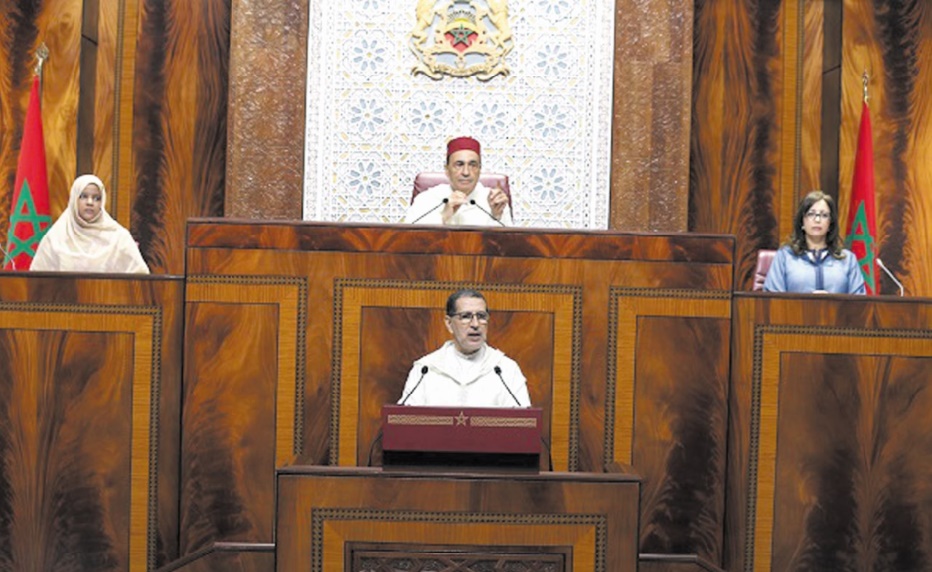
x: 461, y: 419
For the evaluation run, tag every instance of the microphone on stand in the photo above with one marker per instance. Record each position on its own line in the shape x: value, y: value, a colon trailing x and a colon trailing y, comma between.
x: 443, y: 202
x: 478, y: 206
x: 498, y: 371
x: 890, y: 274
x: 6, y: 256
x: 423, y: 373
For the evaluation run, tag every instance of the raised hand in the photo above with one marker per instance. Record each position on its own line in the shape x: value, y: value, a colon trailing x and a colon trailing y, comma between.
x: 498, y: 200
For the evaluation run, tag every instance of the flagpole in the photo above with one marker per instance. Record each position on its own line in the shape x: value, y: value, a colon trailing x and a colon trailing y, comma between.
x: 865, y: 79
x: 42, y: 54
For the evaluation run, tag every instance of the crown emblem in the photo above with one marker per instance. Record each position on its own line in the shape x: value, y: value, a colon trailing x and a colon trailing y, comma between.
x: 461, y: 38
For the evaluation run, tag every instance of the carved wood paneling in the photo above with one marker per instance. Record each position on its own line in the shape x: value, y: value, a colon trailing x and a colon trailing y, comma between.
x: 89, y: 405
x: 828, y: 434
x: 650, y: 116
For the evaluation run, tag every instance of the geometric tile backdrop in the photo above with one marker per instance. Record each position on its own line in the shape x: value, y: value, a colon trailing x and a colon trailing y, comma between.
x: 372, y: 125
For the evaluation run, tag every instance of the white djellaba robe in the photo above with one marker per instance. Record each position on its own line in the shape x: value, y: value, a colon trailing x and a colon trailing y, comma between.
x: 466, y: 215
x: 75, y: 245
x: 454, y: 379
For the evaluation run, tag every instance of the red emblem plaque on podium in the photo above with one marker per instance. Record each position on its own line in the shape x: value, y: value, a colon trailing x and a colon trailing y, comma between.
x: 461, y: 436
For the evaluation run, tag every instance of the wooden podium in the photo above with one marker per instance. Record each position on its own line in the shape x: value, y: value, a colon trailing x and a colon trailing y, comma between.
x: 478, y: 437
x: 335, y: 519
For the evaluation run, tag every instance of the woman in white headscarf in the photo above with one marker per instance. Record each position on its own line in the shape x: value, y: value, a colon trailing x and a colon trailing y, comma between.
x: 85, y: 238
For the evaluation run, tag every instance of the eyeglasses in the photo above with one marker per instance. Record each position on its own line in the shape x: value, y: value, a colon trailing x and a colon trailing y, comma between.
x: 467, y: 317
x: 812, y: 215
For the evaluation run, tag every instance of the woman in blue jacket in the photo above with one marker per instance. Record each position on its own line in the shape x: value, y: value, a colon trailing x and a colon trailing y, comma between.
x: 813, y: 259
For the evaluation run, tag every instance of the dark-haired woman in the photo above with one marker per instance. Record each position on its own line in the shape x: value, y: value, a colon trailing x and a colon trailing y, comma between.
x: 813, y: 259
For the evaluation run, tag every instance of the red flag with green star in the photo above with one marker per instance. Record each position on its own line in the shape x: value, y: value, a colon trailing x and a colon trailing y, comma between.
x: 30, y: 216
x: 862, y: 213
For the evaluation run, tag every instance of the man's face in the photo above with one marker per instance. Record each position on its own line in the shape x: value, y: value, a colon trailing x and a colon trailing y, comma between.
x: 469, y: 334
x: 463, y: 170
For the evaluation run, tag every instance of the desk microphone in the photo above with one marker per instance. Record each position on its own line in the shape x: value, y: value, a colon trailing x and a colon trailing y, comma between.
x: 443, y: 202
x: 498, y: 372
x: 890, y: 274
x: 6, y: 257
x: 423, y: 373
x: 478, y: 206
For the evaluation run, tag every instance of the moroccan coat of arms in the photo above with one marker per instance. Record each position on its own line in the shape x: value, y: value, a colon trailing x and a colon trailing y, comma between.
x: 461, y: 38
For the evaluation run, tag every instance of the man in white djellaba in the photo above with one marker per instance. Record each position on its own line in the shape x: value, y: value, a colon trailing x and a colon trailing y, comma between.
x: 466, y: 371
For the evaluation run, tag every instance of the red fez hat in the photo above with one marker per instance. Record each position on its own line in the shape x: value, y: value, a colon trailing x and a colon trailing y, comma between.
x: 461, y: 143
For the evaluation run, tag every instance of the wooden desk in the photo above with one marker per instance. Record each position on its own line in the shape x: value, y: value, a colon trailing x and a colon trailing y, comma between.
x: 335, y: 519
x: 831, y: 433
x: 90, y: 398
x: 298, y: 333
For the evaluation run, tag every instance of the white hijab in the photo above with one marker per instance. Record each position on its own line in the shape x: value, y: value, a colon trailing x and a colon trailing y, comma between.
x: 76, y: 245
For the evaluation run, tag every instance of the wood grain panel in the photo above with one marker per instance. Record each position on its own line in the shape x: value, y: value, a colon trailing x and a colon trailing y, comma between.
x: 827, y: 424
x: 239, y: 421
x: 179, y: 123
x: 227, y: 556
x: 24, y: 26
x: 672, y: 421
x: 666, y: 411
x: 892, y: 41
x: 740, y: 134
x: 89, y: 385
x: 321, y: 510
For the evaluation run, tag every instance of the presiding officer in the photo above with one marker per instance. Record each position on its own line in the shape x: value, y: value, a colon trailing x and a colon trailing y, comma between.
x: 465, y: 201
x: 466, y: 371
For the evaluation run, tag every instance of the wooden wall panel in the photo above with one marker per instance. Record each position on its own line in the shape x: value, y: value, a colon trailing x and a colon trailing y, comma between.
x: 893, y: 41
x: 673, y: 431
x: 573, y: 522
x: 24, y: 26
x: 357, y: 304
x: 179, y: 123
x: 89, y: 408
x: 736, y: 161
x: 829, y: 448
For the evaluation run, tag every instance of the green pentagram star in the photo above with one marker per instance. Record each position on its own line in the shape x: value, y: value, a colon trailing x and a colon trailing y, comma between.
x: 860, y: 233
x: 25, y: 213
x: 461, y: 35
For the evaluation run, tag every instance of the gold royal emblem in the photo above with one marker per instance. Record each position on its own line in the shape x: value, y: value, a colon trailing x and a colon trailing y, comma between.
x: 461, y: 38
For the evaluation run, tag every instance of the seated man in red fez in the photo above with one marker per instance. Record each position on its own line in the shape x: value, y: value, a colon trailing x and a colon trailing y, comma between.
x: 465, y: 201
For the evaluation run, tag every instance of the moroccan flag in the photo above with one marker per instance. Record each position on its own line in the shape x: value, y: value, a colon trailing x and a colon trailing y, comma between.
x: 862, y: 213
x: 30, y: 216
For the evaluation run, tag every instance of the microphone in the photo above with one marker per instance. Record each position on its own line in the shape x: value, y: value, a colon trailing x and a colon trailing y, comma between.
x: 498, y: 372
x: 423, y: 373
x: 7, y: 257
x: 440, y: 204
x: 478, y: 206
x: 890, y: 274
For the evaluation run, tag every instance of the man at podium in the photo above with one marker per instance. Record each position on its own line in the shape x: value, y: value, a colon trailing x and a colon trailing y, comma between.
x: 466, y: 371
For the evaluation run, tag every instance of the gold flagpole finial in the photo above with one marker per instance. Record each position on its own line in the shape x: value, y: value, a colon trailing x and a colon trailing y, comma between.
x: 865, y: 79
x: 42, y: 54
